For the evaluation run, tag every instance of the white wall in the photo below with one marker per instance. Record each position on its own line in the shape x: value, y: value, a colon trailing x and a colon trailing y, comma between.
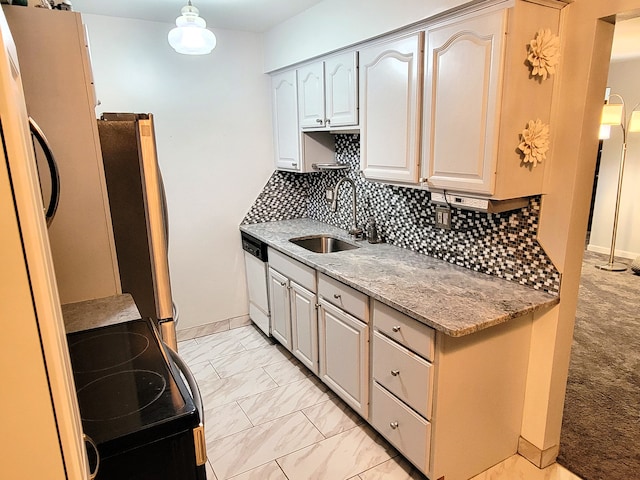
x: 623, y: 79
x: 213, y: 133
x: 334, y: 24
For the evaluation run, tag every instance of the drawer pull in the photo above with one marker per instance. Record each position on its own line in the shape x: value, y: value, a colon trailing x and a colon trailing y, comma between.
x: 396, y: 329
x: 395, y: 373
x: 393, y: 425
x: 337, y: 295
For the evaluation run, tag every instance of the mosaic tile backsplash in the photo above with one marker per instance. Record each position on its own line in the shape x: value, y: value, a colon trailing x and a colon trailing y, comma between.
x: 502, y: 244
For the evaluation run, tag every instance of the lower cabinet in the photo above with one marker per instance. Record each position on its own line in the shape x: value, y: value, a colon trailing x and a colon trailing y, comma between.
x: 344, y: 356
x: 404, y: 428
x: 304, y: 326
x: 402, y: 386
x: 279, y: 304
x: 452, y: 406
x: 292, y: 300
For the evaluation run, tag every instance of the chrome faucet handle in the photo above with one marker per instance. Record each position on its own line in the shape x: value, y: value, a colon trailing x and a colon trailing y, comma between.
x: 356, y: 232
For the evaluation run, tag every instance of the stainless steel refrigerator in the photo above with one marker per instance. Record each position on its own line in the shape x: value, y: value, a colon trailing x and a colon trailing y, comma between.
x: 139, y: 215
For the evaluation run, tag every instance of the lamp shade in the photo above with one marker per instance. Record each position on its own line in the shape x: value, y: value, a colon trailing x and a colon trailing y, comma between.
x: 634, y: 121
x: 605, y: 132
x: 612, y: 114
x: 191, y: 37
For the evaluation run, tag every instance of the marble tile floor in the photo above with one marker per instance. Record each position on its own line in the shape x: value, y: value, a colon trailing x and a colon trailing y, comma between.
x: 268, y: 418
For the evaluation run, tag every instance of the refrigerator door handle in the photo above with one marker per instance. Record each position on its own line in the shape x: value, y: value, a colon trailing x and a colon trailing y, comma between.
x: 155, y: 220
x: 198, y: 432
x: 165, y: 210
x: 38, y: 134
x: 89, y: 440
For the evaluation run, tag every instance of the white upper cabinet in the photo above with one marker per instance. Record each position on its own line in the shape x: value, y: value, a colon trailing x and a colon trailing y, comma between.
x: 285, y: 120
x: 463, y: 72
x: 479, y: 95
x: 328, y: 92
x: 341, y: 89
x: 311, y: 95
x: 390, y: 102
x: 295, y: 151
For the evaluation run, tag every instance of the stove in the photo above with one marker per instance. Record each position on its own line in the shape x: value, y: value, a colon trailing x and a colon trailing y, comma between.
x: 135, y: 405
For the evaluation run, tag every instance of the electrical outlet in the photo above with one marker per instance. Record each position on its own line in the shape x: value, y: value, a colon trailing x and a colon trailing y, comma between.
x: 328, y: 194
x: 443, y: 217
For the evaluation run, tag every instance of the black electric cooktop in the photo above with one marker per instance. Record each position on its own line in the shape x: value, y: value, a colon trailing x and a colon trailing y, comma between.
x: 129, y: 394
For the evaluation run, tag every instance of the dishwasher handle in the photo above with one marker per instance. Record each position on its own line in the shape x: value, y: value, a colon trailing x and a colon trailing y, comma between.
x: 198, y: 432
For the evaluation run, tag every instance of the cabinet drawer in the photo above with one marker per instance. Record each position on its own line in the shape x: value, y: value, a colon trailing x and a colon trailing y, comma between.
x: 407, y: 431
x: 407, y: 331
x: 293, y: 269
x: 344, y: 297
x: 403, y: 373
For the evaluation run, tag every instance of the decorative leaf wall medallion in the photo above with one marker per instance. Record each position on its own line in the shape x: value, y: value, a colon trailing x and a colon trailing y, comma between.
x: 544, y: 53
x: 534, y: 142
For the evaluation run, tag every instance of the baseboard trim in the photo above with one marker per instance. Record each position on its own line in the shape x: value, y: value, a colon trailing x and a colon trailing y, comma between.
x: 607, y: 250
x: 214, y: 327
x: 540, y: 458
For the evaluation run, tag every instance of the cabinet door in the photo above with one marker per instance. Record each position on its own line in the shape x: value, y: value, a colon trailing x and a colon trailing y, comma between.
x: 341, y: 89
x: 462, y: 94
x: 344, y: 356
x: 280, y: 310
x: 304, y: 326
x: 285, y: 120
x: 81, y: 234
x: 390, y: 99
x: 311, y: 95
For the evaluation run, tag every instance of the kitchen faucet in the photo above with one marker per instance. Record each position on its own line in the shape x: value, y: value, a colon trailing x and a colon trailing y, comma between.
x: 356, y: 231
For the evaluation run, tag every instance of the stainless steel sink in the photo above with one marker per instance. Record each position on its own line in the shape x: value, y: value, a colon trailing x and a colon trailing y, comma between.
x: 323, y: 244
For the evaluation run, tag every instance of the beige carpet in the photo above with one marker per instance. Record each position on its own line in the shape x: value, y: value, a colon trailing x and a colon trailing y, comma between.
x: 600, y: 436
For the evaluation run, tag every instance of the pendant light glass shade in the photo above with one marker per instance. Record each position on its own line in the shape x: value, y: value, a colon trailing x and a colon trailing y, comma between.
x: 191, y: 37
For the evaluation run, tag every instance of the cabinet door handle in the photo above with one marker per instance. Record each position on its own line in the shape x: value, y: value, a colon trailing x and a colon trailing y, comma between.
x: 328, y: 121
x: 283, y: 284
x: 294, y: 164
x: 395, y: 373
x: 319, y: 120
x: 394, y: 425
x: 337, y: 295
x: 396, y: 328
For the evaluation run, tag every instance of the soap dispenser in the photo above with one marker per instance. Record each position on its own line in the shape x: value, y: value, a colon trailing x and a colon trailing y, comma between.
x: 372, y: 231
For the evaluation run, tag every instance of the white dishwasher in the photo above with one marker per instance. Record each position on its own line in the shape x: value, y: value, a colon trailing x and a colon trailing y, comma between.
x: 256, y: 268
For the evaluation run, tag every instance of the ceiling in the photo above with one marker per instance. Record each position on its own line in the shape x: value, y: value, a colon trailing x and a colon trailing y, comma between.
x: 261, y: 15
x: 247, y: 15
x: 626, y: 39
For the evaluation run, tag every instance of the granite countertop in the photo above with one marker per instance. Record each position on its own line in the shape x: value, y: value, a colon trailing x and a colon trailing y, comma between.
x: 451, y: 299
x: 99, y: 312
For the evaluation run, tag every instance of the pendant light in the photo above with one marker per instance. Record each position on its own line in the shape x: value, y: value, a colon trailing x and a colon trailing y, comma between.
x: 191, y: 37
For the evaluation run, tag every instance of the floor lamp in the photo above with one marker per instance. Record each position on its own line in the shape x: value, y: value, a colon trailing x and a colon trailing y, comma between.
x: 615, y: 114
